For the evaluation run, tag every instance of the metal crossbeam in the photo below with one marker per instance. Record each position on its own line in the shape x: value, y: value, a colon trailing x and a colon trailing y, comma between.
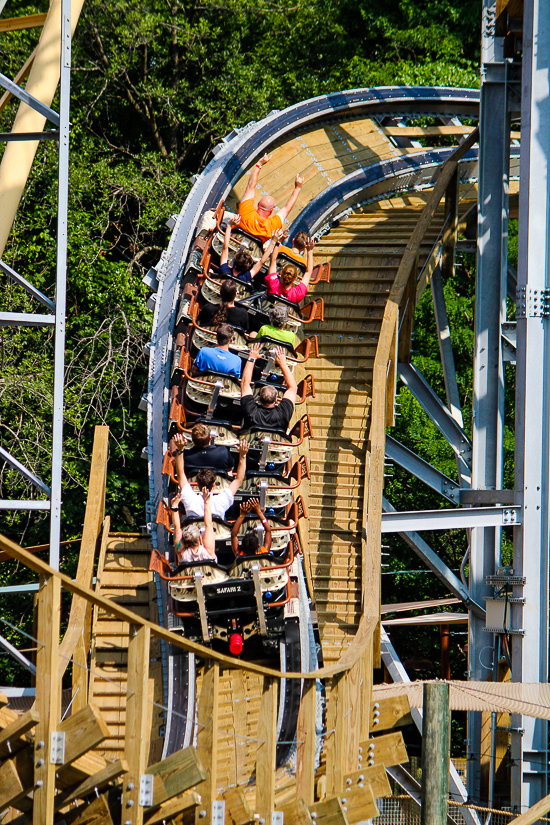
x: 50, y: 134
x: 437, y: 566
x: 426, y: 472
x: 23, y: 504
x: 28, y: 474
x: 31, y: 101
x: 25, y: 319
x: 445, y: 345
x: 15, y: 654
x: 441, y: 417
x: 508, y: 339
x: 27, y: 286
x: 461, y: 518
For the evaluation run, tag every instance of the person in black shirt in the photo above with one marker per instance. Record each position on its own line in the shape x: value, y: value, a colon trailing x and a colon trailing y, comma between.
x: 267, y: 413
x: 213, y: 315
x: 243, y: 266
x: 204, y: 455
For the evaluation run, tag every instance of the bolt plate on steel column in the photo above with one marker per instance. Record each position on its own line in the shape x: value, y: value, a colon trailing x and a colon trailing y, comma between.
x: 502, y: 579
x: 146, y: 782
x: 57, y: 747
x: 510, y: 517
x: 218, y: 812
x: 532, y: 303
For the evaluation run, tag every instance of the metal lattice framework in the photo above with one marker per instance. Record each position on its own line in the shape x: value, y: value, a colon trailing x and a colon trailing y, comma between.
x: 45, y: 75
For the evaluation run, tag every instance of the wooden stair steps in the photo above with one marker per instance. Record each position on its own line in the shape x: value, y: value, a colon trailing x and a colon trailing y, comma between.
x: 123, y: 577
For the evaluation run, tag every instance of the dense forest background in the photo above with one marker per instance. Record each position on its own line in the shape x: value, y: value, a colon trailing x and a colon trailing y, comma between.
x: 155, y: 85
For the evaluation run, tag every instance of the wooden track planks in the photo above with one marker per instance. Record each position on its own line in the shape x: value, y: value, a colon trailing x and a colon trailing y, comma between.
x: 124, y: 577
x: 365, y: 251
x: 322, y: 154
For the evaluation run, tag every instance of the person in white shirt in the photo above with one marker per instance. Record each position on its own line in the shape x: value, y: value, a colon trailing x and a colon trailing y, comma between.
x: 220, y: 502
x: 189, y: 545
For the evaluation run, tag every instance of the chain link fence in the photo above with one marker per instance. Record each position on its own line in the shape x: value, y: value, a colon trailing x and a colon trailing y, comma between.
x: 400, y: 809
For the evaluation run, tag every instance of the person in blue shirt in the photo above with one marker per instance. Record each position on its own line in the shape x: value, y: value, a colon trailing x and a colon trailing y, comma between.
x: 219, y: 359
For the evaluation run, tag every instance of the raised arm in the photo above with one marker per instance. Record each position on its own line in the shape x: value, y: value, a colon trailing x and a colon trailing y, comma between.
x: 208, y: 539
x: 273, y: 261
x: 179, y: 442
x: 289, y: 205
x: 176, y: 523
x: 309, y: 269
x: 227, y: 237
x: 255, y: 505
x: 244, y: 510
x: 241, y: 467
x: 273, y: 243
x: 246, y: 376
x: 287, y: 375
x: 253, y: 179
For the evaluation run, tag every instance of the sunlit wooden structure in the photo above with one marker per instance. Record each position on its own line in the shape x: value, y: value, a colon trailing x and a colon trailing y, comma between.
x: 102, y: 763
x: 117, y: 701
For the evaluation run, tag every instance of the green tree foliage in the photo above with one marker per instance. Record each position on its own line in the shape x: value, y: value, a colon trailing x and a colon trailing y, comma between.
x: 155, y: 85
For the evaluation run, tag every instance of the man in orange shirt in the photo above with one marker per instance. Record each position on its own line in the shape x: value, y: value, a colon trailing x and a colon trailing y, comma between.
x: 259, y: 221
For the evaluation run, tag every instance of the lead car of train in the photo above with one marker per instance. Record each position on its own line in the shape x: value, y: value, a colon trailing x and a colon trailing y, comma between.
x: 240, y: 604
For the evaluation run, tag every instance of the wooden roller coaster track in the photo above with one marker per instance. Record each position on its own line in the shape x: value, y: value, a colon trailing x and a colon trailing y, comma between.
x: 380, y: 256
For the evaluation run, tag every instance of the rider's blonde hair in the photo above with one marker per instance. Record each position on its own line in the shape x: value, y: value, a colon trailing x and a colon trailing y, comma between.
x: 191, y: 536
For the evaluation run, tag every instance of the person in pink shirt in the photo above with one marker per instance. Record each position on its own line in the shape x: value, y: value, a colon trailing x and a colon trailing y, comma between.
x: 282, y: 283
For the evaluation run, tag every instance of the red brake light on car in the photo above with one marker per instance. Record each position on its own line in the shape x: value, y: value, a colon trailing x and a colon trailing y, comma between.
x: 235, y: 644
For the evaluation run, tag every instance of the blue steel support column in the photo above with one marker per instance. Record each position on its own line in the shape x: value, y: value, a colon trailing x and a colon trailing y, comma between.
x: 61, y: 283
x: 488, y: 397
x: 530, y: 654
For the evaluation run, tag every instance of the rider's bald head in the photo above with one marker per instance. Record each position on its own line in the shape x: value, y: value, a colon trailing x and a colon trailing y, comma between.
x: 266, y: 204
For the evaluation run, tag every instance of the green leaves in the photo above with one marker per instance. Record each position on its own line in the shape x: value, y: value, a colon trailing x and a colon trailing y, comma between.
x: 155, y: 85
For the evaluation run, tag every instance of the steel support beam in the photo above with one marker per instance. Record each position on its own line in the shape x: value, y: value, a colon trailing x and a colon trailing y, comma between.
x: 31, y: 101
x: 509, y: 339
x: 27, y: 286
x: 438, y: 567
x: 30, y: 476
x: 529, y: 752
x: 445, y: 346
x: 25, y: 319
x: 21, y: 588
x: 15, y: 654
x: 60, y: 282
x: 23, y: 504
x: 461, y: 518
x: 490, y: 312
x: 50, y: 134
x: 423, y: 470
x: 441, y: 417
